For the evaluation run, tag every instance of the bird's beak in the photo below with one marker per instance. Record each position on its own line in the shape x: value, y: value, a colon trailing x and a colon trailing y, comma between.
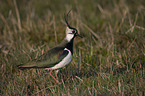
x: 79, y: 35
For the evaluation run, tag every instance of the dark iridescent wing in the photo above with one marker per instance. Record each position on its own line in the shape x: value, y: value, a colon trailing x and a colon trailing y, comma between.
x: 47, y: 60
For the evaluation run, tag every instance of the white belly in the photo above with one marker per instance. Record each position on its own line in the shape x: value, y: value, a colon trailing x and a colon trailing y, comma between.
x: 65, y: 61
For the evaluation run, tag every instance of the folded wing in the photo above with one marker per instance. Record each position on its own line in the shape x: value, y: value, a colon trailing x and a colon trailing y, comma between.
x: 47, y: 60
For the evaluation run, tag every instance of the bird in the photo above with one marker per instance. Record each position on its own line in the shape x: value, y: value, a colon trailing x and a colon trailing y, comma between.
x: 57, y: 57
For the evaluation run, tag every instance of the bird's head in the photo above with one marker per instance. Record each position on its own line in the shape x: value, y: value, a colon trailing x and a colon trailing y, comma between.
x: 70, y: 31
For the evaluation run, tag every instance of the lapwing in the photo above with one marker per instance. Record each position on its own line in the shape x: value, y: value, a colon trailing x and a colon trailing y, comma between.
x: 57, y: 57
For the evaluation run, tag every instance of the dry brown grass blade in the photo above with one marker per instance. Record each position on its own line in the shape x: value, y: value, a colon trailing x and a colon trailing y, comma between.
x: 122, y: 21
x: 44, y: 89
x: 54, y: 26
x: 18, y: 16
x: 4, y: 20
x: 139, y: 27
x: 93, y: 33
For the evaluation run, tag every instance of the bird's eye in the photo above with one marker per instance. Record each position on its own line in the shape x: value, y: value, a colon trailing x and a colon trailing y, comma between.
x: 73, y: 31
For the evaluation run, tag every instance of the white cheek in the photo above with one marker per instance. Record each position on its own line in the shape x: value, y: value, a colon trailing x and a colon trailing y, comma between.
x: 69, y: 37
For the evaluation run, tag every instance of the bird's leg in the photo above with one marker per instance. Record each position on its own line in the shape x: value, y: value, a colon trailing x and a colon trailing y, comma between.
x: 53, y: 76
x: 56, y: 72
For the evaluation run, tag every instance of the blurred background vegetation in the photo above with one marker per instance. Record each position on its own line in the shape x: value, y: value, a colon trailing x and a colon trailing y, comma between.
x: 109, y: 60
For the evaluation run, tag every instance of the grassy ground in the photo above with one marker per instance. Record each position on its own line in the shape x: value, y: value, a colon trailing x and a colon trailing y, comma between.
x: 109, y: 60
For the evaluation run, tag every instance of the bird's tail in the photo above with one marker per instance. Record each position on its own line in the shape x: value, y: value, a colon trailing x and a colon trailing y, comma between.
x: 25, y: 66
x: 21, y: 67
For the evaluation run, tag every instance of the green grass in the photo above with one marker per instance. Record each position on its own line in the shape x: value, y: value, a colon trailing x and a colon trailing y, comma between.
x: 109, y: 60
